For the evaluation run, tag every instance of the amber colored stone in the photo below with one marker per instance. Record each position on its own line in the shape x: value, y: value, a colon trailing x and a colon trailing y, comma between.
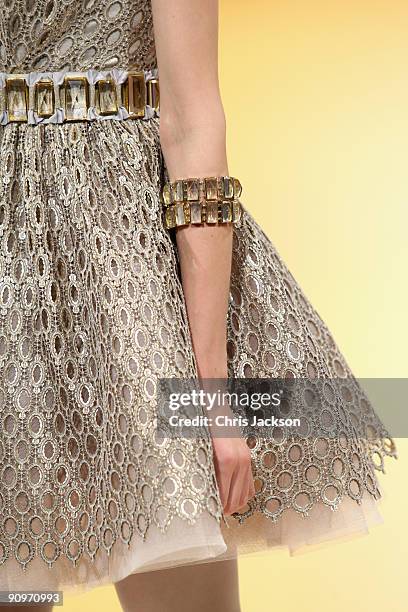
x: 237, y: 188
x: 153, y: 94
x: 228, y: 188
x: 226, y: 213
x: 195, y: 212
x: 166, y: 194
x: 212, y: 212
x: 170, y: 217
x: 105, y: 97
x: 75, y: 90
x: 211, y: 188
x: 236, y: 211
x: 17, y: 98
x: 44, y: 98
x: 135, y: 94
x: 180, y: 213
x: 177, y: 191
x: 191, y: 189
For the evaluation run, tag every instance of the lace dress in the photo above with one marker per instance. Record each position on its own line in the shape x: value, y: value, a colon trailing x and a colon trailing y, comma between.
x: 92, y: 314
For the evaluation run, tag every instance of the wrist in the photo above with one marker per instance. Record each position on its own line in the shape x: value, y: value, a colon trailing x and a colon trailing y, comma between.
x: 212, y: 368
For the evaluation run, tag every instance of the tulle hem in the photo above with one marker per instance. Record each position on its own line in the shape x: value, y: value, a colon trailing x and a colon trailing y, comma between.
x: 299, y: 534
x: 182, y: 544
x: 204, y: 541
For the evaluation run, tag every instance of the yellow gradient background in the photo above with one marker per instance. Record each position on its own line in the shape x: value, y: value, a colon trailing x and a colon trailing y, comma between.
x: 316, y: 97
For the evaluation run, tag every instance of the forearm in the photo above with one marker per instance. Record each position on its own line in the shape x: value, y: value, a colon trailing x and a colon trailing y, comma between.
x: 193, y: 139
x: 192, y: 134
x: 205, y: 259
x: 205, y: 254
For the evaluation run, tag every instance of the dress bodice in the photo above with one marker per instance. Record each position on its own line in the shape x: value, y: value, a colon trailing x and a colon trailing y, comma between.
x: 53, y: 35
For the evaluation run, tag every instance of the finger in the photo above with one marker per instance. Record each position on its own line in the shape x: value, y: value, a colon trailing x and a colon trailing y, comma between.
x: 252, y: 490
x: 233, y: 497
x: 251, y: 480
x: 239, y: 485
x: 223, y: 472
x: 245, y: 498
x: 224, y: 485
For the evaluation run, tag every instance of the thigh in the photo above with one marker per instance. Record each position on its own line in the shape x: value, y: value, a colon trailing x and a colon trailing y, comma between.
x: 207, y: 587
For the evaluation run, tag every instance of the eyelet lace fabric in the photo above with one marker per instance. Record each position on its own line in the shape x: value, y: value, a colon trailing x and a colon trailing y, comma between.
x: 92, y: 314
x: 57, y: 35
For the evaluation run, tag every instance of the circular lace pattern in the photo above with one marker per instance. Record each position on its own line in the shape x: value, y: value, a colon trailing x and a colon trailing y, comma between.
x: 76, y: 35
x: 92, y: 313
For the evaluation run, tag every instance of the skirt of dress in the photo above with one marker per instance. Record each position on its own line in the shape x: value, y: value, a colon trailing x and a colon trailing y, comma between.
x: 92, y: 315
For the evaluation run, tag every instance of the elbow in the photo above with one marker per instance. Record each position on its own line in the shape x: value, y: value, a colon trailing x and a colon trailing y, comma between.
x: 181, y: 122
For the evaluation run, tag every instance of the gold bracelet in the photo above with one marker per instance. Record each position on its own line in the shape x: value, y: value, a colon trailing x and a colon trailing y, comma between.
x: 211, y: 200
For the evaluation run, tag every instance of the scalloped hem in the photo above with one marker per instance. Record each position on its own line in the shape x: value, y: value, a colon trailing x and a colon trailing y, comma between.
x: 205, y: 541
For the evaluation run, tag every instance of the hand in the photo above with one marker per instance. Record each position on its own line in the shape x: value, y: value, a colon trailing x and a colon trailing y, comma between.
x: 232, y: 460
x: 232, y: 456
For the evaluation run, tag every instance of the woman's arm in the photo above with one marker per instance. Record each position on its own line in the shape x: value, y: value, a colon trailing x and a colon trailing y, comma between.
x: 192, y: 133
x: 193, y: 139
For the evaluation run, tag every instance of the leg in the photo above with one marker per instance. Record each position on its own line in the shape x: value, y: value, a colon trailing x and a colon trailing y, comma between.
x: 208, y: 587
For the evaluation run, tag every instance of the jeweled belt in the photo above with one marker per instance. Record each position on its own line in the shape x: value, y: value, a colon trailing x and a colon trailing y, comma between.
x: 57, y: 97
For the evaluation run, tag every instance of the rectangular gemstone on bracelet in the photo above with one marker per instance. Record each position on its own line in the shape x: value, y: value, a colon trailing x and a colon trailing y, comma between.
x: 226, y: 213
x: 75, y: 93
x: 166, y: 194
x: 44, y: 98
x: 228, y: 188
x: 236, y: 210
x: 170, y: 217
x: 177, y: 191
x: 212, y: 212
x: 237, y: 188
x: 105, y: 97
x: 17, y: 98
x: 180, y: 213
x: 191, y: 187
x: 195, y: 212
x: 211, y: 188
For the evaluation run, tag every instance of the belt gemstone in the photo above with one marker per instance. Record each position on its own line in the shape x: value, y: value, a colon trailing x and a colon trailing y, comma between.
x: 57, y: 97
